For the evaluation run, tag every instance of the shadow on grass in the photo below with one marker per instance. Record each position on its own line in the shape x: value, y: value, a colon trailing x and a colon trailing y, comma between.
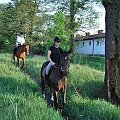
x: 16, y: 86
x: 89, y: 89
x: 79, y: 108
x: 92, y: 89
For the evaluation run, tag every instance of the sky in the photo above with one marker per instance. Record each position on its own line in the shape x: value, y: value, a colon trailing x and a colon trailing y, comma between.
x: 101, y: 10
x: 4, y: 1
x: 101, y: 21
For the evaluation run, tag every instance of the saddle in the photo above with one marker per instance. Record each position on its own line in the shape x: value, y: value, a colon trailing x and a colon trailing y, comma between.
x: 54, y: 74
x: 15, y: 49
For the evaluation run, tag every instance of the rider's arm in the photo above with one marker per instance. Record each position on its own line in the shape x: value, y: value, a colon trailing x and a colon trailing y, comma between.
x: 49, y: 53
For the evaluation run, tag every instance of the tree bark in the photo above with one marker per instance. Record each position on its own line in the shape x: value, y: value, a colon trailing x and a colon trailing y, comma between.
x: 112, y: 50
x: 72, y: 23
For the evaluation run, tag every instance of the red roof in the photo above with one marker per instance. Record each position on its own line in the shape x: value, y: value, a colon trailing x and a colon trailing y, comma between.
x: 90, y: 37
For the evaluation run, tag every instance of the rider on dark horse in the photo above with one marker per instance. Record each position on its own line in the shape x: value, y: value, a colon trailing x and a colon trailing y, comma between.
x: 19, y: 42
x: 54, y: 53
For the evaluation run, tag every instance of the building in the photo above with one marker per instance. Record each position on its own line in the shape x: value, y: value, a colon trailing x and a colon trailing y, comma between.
x: 91, y: 44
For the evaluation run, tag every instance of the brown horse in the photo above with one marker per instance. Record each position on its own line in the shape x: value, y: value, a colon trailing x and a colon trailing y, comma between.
x: 57, y: 79
x: 21, y: 52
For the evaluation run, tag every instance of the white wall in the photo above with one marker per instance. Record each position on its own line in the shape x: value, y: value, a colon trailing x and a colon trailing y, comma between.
x: 100, y: 48
x: 84, y: 47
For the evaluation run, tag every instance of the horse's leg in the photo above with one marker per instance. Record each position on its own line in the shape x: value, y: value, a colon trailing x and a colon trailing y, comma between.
x: 56, y: 99
x: 52, y: 96
x: 43, y: 86
x: 13, y: 55
x: 13, y: 59
x: 63, y: 97
x: 23, y: 59
x: 18, y: 61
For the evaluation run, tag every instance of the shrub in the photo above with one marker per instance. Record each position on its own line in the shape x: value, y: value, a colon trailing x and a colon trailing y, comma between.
x: 38, y: 50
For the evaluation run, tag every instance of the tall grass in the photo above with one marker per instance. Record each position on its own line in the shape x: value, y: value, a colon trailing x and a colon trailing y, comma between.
x: 84, y: 92
x: 95, y: 62
x: 19, y: 95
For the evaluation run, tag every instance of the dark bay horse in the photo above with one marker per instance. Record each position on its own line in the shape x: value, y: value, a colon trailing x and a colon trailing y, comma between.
x: 21, y: 53
x: 57, y: 79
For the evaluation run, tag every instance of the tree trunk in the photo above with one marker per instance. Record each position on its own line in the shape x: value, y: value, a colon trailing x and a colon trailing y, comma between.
x: 112, y: 50
x: 72, y: 23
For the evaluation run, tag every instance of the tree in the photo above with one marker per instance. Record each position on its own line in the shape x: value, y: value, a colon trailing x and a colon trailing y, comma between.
x: 7, y: 25
x: 112, y: 49
x: 20, y: 15
x: 26, y: 16
x: 74, y: 10
x: 60, y: 28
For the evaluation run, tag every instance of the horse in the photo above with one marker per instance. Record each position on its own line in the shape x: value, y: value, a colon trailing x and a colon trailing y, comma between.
x: 58, y: 78
x: 21, y: 52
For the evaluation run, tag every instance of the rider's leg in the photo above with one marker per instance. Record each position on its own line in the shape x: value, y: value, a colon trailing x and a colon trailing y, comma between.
x: 47, y: 72
x: 48, y: 68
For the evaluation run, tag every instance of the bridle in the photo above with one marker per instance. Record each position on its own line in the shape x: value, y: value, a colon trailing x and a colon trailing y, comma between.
x: 64, y: 64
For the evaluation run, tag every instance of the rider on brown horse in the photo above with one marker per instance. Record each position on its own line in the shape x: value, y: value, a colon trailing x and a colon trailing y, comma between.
x: 57, y: 79
x: 54, y: 53
x: 20, y: 49
x: 19, y: 42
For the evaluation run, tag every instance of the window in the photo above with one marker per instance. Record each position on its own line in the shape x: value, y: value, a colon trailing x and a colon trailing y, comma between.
x: 89, y: 43
x: 98, y: 43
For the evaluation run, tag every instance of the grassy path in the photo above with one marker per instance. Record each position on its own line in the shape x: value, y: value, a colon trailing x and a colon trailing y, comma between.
x: 20, y: 96
x: 84, y: 91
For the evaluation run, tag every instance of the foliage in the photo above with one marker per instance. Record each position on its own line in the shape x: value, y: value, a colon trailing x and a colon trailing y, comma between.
x: 33, y: 17
x: 60, y: 29
x: 19, y: 16
x: 83, y: 10
x: 7, y: 17
x: 73, y: 9
x: 38, y: 50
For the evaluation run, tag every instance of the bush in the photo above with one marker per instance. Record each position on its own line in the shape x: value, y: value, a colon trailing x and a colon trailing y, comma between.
x: 38, y: 50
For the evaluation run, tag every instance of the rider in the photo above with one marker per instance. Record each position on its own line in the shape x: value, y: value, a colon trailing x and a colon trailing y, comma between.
x: 20, y: 41
x: 54, y: 53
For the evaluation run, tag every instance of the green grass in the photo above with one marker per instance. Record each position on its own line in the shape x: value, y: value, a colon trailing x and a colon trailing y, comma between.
x: 19, y: 95
x: 84, y: 92
x: 94, y: 62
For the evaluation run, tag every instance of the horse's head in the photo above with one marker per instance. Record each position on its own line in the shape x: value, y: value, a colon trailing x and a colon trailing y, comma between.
x: 26, y: 49
x: 65, y: 62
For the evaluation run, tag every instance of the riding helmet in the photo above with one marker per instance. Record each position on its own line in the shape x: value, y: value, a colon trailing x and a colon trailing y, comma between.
x: 57, y: 39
